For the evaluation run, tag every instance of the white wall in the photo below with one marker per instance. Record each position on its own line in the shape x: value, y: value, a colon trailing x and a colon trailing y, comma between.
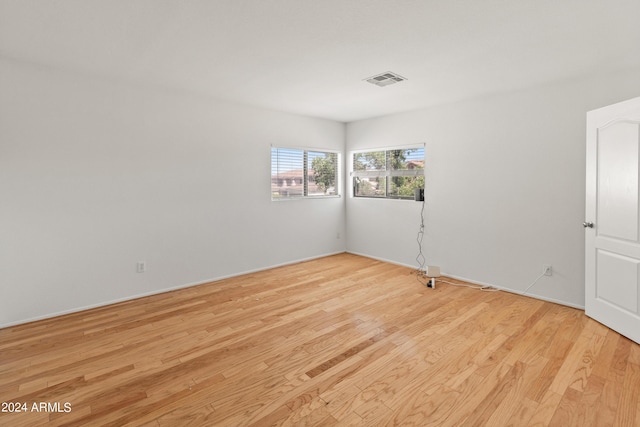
x: 504, y: 186
x: 96, y: 175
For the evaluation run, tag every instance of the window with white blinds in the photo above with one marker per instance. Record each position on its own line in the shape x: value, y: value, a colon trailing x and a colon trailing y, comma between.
x: 298, y: 173
x: 390, y: 174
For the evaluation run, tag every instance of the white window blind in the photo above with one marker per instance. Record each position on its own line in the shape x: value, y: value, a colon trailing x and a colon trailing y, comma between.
x: 298, y: 173
x: 391, y: 174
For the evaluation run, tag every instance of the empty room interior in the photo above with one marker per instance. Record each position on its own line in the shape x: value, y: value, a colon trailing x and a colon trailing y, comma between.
x: 339, y: 212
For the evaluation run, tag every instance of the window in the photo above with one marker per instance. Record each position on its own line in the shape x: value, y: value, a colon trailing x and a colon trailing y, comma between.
x: 391, y: 174
x: 297, y: 173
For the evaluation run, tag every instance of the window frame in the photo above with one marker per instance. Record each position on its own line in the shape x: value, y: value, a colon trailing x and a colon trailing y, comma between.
x: 385, y: 173
x: 306, y: 178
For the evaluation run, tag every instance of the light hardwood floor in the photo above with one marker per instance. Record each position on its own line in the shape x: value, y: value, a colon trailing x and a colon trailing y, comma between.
x: 342, y: 340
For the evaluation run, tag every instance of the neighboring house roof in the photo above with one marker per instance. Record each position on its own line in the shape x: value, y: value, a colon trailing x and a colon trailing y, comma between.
x: 282, y: 182
x: 294, y: 173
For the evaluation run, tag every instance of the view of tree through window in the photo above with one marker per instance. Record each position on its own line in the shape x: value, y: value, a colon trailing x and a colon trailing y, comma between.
x: 297, y: 173
x: 389, y: 173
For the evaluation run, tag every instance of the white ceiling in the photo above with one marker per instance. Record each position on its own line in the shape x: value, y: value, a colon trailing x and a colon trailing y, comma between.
x: 310, y: 56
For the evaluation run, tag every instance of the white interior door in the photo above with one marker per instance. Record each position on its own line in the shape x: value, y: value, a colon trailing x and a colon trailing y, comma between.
x: 612, y: 258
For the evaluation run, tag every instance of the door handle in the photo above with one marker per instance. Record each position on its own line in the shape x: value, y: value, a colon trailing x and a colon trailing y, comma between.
x: 587, y: 224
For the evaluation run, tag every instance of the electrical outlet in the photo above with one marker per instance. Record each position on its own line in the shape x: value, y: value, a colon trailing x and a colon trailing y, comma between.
x: 141, y: 267
x: 337, y: 235
x: 547, y: 270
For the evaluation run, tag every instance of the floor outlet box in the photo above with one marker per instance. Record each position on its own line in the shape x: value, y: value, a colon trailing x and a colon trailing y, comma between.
x: 432, y: 271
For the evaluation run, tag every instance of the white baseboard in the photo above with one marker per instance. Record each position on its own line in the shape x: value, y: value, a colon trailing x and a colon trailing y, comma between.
x: 382, y: 259
x: 477, y: 282
x: 202, y: 282
x: 159, y: 291
x: 514, y: 291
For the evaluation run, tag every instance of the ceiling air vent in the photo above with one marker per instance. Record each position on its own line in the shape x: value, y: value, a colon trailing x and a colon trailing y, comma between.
x: 385, y: 79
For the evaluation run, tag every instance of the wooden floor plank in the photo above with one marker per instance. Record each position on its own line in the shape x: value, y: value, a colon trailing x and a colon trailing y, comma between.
x: 339, y: 340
